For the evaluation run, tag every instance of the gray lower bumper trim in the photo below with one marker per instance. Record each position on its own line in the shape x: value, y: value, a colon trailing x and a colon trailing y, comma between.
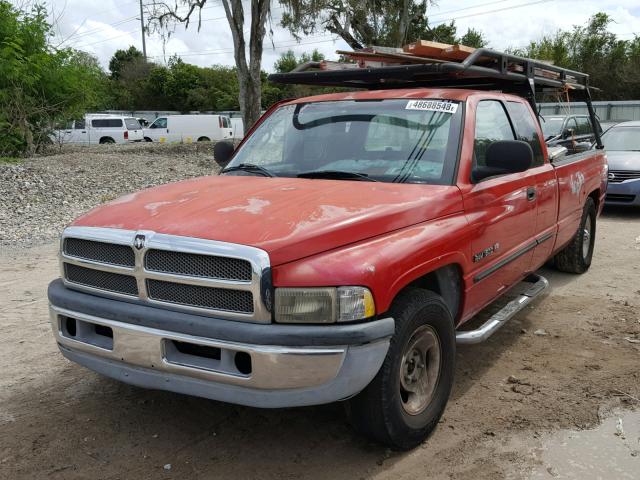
x: 227, y: 330
x: 360, y: 365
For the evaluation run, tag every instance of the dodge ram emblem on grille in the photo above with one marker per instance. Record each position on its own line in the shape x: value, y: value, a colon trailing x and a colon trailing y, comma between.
x: 139, y: 242
x: 612, y: 176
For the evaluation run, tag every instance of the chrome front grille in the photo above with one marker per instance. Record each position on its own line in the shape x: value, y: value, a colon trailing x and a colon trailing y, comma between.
x: 109, y: 281
x: 195, y: 265
x: 197, y: 296
x: 110, y: 253
x: 617, y: 176
x: 202, y: 276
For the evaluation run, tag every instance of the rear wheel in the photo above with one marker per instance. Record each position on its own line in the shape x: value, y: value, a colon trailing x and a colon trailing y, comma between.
x: 403, y: 403
x: 204, y: 139
x: 576, y: 257
x: 104, y: 140
x: 147, y: 139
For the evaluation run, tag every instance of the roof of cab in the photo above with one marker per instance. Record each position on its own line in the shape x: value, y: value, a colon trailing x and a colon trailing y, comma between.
x: 442, y: 93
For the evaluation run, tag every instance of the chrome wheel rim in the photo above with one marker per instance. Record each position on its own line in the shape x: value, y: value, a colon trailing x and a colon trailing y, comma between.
x: 586, y: 238
x: 420, y: 370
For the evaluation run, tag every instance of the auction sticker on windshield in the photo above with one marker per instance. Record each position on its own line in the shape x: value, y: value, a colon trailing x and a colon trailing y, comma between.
x: 432, y: 106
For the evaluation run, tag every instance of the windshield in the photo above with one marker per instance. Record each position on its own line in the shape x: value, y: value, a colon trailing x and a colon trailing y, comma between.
x: 551, y: 126
x: 624, y: 139
x: 413, y: 141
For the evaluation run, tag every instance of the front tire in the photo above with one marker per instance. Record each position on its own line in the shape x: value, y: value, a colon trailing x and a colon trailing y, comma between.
x: 404, y: 402
x: 576, y: 257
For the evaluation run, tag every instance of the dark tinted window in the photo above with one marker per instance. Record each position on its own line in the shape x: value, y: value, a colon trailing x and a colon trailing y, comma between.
x: 492, y: 124
x: 80, y: 124
x: 106, y: 123
x: 584, y: 126
x: 526, y: 130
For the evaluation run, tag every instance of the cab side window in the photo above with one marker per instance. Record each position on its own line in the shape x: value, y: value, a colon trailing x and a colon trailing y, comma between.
x: 526, y: 130
x: 159, y: 123
x: 80, y: 124
x: 492, y: 125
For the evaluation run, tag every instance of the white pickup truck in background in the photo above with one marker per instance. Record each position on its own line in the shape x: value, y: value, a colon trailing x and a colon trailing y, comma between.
x: 99, y: 129
x: 189, y: 128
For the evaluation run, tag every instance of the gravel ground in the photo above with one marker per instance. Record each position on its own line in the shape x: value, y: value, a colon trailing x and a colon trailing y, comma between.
x: 560, y: 365
x: 43, y: 194
x: 513, y: 396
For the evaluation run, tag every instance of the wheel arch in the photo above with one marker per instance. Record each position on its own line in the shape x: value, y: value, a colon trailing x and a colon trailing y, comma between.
x: 595, y: 196
x: 107, y: 139
x: 447, y: 281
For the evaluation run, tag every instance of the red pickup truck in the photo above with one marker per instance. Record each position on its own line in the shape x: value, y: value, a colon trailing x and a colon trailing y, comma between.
x: 337, y: 257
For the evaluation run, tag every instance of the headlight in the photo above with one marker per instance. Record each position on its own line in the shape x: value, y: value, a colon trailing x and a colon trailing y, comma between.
x: 323, y: 305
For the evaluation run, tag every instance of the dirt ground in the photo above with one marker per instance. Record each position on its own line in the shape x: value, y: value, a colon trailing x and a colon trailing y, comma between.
x: 60, y: 421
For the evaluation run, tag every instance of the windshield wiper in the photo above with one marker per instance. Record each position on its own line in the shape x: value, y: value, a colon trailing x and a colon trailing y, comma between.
x: 337, y: 175
x: 251, y: 168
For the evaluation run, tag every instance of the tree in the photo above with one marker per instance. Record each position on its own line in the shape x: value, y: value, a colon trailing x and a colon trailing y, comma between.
x: 288, y: 60
x: 122, y: 58
x: 389, y: 23
x: 377, y: 22
x: 473, y: 38
x: 612, y: 64
x: 39, y: 84
x: 164, y: 18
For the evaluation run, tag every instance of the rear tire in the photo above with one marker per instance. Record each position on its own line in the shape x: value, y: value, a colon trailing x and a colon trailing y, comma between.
x: 107, y: 140
x: 404, y: 402
x: 147, y: 139
x: 204, y: 139
x: 576, y: 257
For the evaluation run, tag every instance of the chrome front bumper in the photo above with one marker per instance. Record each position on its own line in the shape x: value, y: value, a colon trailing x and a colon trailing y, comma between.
x: 275, y: 376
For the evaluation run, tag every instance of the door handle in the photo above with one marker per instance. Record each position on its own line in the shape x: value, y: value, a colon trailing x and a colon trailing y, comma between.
x: 531, y: 194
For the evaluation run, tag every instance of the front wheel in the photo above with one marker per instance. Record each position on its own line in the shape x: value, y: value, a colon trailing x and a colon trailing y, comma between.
x: 403, y: 403
x: 576, y: 257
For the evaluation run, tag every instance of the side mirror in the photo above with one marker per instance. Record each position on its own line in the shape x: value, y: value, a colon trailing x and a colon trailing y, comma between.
x: 222, y: 152
x: 504, y: 157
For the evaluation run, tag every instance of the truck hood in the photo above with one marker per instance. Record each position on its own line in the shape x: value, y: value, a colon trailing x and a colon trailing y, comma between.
x: 290, y: 218
x: 619, y: 160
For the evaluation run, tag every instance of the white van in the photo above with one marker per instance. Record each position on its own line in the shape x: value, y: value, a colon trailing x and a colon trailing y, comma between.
x: 99, y: 128
x: 189, y: 128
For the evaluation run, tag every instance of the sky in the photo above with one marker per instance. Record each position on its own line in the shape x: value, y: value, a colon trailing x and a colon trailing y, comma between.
x: 102, y: 27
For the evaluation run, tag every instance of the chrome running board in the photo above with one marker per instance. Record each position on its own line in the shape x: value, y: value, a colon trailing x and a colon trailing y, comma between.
x: 539, y: 284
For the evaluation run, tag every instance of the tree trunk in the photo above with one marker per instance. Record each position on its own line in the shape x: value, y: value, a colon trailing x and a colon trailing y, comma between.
x: 403, y: 24
x: 248, y: 72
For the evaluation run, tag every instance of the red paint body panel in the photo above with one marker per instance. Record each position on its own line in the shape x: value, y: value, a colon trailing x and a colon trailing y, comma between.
x: 290, y: 218
x: 381, y: 235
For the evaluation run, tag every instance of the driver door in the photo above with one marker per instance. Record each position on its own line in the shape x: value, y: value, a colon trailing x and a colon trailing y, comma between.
x: 501, y: 211
x: 158, y: 130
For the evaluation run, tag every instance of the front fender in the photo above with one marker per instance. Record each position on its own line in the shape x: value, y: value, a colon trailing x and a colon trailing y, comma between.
x: 387, y: 263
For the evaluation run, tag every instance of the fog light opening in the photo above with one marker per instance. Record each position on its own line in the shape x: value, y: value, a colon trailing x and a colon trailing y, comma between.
x: 70, y: 326
x: 243, y: 362
x: 104, y: 331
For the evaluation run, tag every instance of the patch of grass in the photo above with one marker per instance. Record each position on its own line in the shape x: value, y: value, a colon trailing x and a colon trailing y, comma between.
x: 10, y: 160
